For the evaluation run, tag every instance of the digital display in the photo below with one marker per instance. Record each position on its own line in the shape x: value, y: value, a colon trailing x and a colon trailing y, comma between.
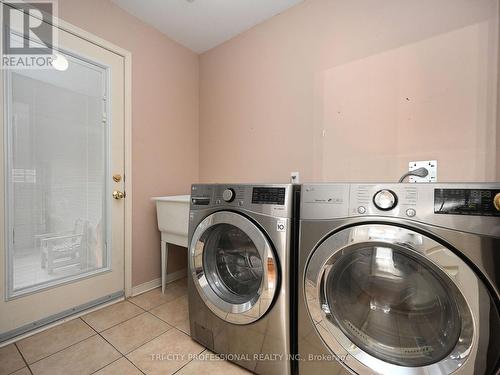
x: 465, y: 202
x: 268, y: 195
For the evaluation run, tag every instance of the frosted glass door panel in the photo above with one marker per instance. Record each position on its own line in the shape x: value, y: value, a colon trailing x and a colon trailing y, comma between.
x: 57, y: 158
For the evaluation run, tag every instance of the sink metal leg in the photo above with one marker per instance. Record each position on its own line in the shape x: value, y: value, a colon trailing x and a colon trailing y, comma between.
x: 164, y: 260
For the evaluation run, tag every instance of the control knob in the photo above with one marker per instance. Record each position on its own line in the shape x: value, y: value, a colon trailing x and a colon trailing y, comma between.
x: 228, y: 195
x: 496, y: 201
x: 385, y: 200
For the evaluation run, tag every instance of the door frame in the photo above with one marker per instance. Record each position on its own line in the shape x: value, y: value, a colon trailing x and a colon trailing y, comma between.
x: 127, y: 178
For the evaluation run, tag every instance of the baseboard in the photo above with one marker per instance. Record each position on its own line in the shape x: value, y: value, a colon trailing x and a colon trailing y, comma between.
x: 149, y: 285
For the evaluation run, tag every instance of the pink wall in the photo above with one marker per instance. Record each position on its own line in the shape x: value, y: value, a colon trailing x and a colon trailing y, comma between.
x: 309, y: 90
x: 354, y: 90
x: 164, y: 120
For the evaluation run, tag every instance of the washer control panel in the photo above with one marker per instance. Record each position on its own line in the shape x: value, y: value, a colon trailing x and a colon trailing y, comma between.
x: 271, y: 199
x: 473, y: 207
x: 389, y: 199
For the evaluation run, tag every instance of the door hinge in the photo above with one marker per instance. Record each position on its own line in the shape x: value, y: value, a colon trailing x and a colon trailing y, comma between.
x: 104, y: 113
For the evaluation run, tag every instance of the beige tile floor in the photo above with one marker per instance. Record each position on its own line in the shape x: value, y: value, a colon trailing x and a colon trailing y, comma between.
x: 147, y: 334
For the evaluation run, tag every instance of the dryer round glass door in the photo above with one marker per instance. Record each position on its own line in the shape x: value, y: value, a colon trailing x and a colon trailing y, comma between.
x: 233, y: 267
x: 387, y: 299
x: 393, y: 305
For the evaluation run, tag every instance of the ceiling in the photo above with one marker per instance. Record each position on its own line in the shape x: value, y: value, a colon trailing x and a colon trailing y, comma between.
x: 203, y: 24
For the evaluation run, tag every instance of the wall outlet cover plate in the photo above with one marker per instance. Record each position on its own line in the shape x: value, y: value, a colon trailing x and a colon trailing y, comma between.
x: 431, y: 166
x: 295, y: 177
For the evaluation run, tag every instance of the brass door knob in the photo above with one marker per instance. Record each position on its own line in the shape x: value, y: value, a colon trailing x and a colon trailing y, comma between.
x: 118, y: 194
x: 496, y: 201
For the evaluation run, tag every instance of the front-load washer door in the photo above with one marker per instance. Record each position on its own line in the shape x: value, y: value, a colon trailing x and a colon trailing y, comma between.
x: 233, y: 267
x: 387, y: 299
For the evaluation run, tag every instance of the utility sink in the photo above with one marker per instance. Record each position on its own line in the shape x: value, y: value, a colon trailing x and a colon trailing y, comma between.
x: 173, y: 218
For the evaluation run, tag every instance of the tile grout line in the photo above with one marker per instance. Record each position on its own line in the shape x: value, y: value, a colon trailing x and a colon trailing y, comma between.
x: 171, y: 327
x: 114, y: 325
x: 177, y: 329
x: 172, y: 300
x: 147, y: 342
x: 96, y: 333
x: 149, y: 291
x: 122, y: 355
x: 110, y: 363
x: 170, y: 324
x: 125, y: 355
x: 203, y: 351
x: 154, y: 316
x: 60, y: 350
x: 133, y: 364
x: 126, y: 320
x: 135, y: 304
x: 159, y: 287
x: 187, y: 363
x: 24, y: 359
x: 155, y: 306
x: 69, y: 346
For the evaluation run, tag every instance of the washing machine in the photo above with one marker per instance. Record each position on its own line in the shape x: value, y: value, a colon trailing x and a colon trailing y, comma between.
x: 240, y: 257
x: 399, y: 279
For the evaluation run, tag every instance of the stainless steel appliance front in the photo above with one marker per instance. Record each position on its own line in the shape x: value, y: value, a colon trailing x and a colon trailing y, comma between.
x: 233, y: 267
x: 403, y: 290
x: 239, y: 252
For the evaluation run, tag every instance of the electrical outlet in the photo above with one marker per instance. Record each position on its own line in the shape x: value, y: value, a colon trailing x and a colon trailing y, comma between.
x: 295, y: 177
x: 431, y: 166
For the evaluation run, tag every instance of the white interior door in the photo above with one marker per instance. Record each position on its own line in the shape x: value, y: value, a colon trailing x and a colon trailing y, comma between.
x: 62, y: 231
